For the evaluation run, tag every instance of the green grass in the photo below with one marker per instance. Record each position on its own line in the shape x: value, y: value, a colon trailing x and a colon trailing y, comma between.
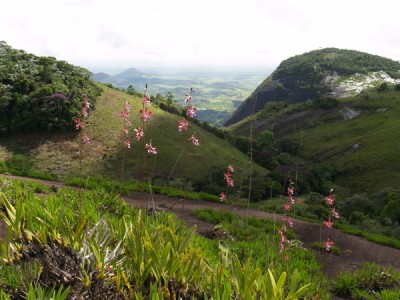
x: 376, y: 238
x: 22, y: 165
x: 126, y: 187
x: 369, y: 282
x: 373, y: 164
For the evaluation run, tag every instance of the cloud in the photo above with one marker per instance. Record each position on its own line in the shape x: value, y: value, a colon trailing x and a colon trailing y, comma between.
x: 188, y: 32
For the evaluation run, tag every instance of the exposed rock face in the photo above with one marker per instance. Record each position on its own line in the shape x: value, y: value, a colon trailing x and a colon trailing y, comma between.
x: 355, y: 84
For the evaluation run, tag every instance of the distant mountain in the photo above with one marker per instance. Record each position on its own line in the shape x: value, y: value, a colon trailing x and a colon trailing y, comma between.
x: 326, y: 72
x: 131, y: 73
x: 123, y: 79
x: 100, y: 77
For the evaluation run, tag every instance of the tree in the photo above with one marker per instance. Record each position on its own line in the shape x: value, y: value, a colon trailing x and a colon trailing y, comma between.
x: 383, y: 87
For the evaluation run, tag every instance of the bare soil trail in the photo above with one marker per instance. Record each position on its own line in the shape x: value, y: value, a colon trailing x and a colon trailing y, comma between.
x: 354, y: 250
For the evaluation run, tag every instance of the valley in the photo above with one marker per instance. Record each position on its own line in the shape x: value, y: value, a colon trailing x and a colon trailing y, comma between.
x: 218, y: 93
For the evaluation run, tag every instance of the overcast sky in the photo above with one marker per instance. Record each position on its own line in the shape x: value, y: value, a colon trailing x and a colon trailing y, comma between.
x: 106, y: 34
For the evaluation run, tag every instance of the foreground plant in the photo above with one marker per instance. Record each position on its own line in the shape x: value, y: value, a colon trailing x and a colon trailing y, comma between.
x: 371, y: 281
x: 102, y: 251
x: 229, y: 183
x: 145, y: 114
x: 330, y: 201
x: 284, y: 242
x: 183, y: 126
x: 126, y: 124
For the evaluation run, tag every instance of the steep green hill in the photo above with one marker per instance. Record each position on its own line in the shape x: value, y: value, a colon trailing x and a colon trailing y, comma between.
x: 326, y: 72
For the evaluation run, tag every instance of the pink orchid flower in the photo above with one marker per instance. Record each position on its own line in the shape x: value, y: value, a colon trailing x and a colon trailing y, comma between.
x: 85, y: 112
x: 194, y: 140
x: 86, y: 139
x: 328, y: 223
x: 230, y: 169
x: 290, y: 190
x: 330, y: 200
x: 288, y: 222
x: 79, y: 124
x: 145, y: 115
x: 151, y: 149
x: 328, y: 244
x: 125, y: 131
x: 222, y: 197
x: 127, y: 107
x: 230, y: 182
x: 127, y: 144
x: 335, y: 214
x: 139, y: 134
x: 87, y: 103
x: 146, y: 101
x: 124, y: 115
x: 183, y: 125
x: 191, y: 111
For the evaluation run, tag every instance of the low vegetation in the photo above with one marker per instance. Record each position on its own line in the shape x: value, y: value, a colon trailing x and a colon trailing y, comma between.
x: 90, y: 243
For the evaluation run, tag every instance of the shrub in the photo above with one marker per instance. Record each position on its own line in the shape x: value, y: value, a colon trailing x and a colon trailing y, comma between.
x: 325, y: 103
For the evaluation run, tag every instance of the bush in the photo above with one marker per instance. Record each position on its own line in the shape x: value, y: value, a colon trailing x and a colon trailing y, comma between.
x: 358, y: 202
x: 325, y: 103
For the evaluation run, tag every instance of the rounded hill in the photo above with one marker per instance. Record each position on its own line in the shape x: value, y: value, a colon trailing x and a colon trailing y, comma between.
x: 330, y: 71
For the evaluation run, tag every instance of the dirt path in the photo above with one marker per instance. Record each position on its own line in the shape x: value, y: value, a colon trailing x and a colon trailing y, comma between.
x: 354, y: 250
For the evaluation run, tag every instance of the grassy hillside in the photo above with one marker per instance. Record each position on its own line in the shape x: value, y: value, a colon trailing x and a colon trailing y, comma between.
x: 364, y: 149
x: 358, y: 137
x: 59, y: 154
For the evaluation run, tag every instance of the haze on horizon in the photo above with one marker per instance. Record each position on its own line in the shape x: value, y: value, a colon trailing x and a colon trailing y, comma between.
x: 210, y: 34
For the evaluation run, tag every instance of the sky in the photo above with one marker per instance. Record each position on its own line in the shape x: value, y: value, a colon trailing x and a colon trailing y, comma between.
x: 106, y: 35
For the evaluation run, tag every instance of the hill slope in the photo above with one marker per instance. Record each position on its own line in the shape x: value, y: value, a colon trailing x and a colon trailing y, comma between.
x: 355, y: 140
x: 59, y: 154
x: 326, y: 72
